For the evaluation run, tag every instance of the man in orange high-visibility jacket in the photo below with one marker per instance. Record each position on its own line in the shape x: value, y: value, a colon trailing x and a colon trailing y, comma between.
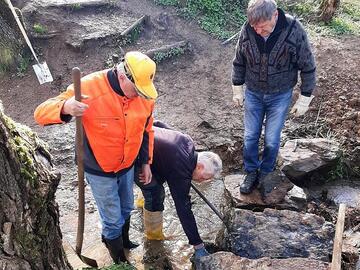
x: 116, y: 109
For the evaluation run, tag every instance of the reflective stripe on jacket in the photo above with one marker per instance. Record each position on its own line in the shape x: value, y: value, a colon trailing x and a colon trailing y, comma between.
x: 114, y: 125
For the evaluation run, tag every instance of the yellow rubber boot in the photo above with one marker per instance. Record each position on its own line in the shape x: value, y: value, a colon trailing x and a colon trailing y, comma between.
x: 139, y: 201
x: 153, y: 225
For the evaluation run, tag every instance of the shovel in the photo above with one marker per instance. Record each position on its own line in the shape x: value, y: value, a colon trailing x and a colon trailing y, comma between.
x: 76, y: 74
x: 209, y: 204
x: 41, y: 70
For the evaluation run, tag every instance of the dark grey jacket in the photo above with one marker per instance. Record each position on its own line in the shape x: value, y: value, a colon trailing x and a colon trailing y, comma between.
x: 272, y: 66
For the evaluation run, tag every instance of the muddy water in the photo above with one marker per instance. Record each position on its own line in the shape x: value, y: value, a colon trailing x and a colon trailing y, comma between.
x: 339, y: 192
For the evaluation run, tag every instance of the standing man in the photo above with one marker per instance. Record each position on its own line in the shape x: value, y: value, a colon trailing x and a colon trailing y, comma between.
x: 116, y: 112
x: 272, y: 48
x: 176, y: 162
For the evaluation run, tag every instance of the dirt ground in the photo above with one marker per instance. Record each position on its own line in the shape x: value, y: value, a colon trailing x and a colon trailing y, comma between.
x: 194, y: 89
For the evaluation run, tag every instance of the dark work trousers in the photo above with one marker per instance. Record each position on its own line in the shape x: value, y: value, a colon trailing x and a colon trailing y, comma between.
x: 154, y: 193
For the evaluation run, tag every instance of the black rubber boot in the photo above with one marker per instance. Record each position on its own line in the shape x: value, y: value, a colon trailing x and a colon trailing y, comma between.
x: 125, y: 235
x: 116, y: 249
x: 250, y: 182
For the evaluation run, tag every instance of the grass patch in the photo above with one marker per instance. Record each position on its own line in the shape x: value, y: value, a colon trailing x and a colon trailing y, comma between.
x: 220, y: 18
x: 159, y: 57
x: 167, y: 2
x: 346, y: 20
x: 76, y: 6
x: 39, y: 29
x: 223, y: 18
x: 23, y: 65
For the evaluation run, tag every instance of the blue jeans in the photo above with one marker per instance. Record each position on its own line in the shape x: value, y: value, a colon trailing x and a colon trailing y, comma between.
x: 114, y: 198
x: 273, y: 108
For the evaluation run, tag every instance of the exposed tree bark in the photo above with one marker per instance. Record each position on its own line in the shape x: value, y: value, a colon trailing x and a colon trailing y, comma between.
x: 11, y: 41
x: 328, y: 9
x: 30, y: 236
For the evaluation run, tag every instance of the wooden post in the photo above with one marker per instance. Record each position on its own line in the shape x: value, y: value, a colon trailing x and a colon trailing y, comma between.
x: 328, y: 9
x: 336, y: 257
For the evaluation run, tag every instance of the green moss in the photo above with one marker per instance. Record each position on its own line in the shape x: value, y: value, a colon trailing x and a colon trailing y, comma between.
x: 19, y: 141
x: 29, y: 243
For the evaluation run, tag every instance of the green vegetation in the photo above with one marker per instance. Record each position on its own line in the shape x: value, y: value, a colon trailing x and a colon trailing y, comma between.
x: 220, y: 18
x: 159, y: 57
x: 130, y: 38
x: 134, y: 35
x: 167, y: 2
x: 39, y: 29
x: 6, y: 59
x: 28, y: 243
x: 339, y: 171
x: 223, y: 18
x: 22, y: 140
x: 345, y: 21
x: 22, y: 66
x: 76, y: 6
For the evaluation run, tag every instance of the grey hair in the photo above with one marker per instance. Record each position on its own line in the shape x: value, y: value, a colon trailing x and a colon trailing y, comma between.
x: 211, y: 161
x: 260, y: 10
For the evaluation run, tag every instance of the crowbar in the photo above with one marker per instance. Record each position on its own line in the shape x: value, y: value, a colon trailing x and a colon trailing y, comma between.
x: 41, y: 70
x: 76, y: 75
x: 209, y: 204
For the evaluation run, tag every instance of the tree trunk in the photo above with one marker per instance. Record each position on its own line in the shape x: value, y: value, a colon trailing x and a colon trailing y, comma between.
x: 11, y: 40
x: 30, y: 236
x: 328, y: 9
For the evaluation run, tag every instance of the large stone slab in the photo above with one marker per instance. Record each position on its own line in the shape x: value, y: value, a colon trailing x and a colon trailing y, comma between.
x: 306, y: 162
x: 229, y: 261
x: 232, y: 185
x: 279, y: 234
x: 275, y: 192
x: 274, y: 187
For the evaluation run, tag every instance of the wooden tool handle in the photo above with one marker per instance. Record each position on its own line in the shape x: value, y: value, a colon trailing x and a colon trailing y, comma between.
x: 76, y: 75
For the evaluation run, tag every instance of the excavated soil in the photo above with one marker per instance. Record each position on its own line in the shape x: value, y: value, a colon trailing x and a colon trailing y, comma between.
x: 194, y: 89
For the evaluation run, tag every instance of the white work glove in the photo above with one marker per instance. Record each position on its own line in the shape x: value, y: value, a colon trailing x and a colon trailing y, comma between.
x: 301, y: 105
x: 238, y: 95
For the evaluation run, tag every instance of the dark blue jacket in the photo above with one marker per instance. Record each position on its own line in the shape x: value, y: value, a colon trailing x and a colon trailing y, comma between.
x: 174, y: 161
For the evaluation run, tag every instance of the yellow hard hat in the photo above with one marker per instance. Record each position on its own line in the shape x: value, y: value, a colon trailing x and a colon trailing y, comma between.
x: 142, y: 70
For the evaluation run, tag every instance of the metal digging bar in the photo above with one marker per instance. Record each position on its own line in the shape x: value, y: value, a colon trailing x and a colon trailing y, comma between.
x: 76, y: 75
x: 210, y: 205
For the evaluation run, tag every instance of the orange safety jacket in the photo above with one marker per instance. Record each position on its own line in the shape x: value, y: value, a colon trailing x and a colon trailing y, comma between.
x: 116, y: 128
